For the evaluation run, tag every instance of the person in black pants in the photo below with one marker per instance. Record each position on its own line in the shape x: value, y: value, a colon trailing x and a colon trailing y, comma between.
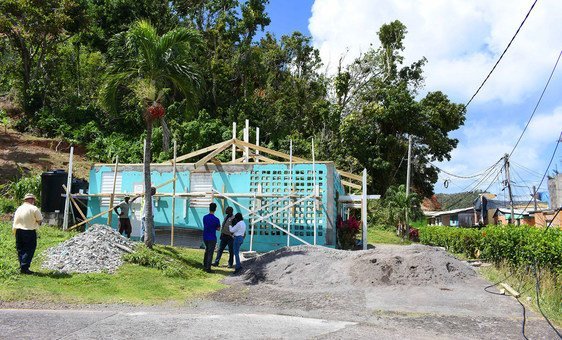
x: 27, y: 220
x: 210, y: 226
x: 226, y: 239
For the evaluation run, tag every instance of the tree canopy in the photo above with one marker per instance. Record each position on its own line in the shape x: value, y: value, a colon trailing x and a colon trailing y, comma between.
x: 54, y: 53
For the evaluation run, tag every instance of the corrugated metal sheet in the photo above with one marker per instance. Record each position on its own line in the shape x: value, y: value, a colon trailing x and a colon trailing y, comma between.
x: 201, y: 182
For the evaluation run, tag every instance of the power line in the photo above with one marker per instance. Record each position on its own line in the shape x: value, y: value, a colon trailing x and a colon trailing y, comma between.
x: 547, y: 168
x: 501, y: 56
x: 480, y: 173
x: 538, y: 103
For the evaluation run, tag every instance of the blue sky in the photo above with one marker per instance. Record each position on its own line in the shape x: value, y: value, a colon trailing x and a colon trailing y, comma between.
x: 461, y: 40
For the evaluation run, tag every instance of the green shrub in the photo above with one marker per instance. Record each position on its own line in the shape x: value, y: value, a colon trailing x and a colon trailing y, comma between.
x: 170, y: 264
x: 518, y: 246
x: 7, y: 206
x: 16, y: 190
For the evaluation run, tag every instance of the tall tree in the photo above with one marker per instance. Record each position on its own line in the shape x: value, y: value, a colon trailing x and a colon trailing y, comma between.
x: 376, y: 98
x: 35, y: 28
x: 150, y: 69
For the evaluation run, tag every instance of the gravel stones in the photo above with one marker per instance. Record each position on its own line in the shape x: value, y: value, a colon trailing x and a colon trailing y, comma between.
x: 99, y: 249
x: 330, y: 269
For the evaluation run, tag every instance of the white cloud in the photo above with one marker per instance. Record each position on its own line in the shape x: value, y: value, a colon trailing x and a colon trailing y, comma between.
x: 461, y: 40
x: 483, y: 144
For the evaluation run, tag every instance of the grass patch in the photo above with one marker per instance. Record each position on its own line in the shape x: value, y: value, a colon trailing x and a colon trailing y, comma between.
x: 385, y: 235
x: 149, y: 277
x: 524, y: 282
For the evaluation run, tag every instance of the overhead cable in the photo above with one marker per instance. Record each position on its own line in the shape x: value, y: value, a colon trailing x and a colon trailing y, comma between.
x: 537, y: 105
x: 501, y: 56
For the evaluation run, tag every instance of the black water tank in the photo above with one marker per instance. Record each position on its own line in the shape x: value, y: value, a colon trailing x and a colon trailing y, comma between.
x: 51, y: 190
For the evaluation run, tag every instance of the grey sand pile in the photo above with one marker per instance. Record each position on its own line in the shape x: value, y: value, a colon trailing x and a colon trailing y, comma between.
x: 99, y: 249
x: 324, y: 268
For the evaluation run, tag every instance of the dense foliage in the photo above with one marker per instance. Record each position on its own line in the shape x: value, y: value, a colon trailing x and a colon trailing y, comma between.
x: 521, y: 246
x: 53, y: 55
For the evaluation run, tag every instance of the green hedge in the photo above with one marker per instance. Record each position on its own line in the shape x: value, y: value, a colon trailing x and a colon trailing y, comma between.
x: 518, y: 246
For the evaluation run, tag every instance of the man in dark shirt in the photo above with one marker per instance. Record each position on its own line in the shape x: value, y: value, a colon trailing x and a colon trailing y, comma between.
x: 226, y: 239
x: 210, y: 226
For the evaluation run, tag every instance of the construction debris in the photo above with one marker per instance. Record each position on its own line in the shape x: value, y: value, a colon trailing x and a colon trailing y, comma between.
x: 99, y: 249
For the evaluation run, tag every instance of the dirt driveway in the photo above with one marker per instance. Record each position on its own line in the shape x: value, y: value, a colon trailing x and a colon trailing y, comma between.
x: 392, y: 292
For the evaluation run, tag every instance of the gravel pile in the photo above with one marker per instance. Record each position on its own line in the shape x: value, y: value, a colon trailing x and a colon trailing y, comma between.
x: 318, y: 267
x: 99, y: 249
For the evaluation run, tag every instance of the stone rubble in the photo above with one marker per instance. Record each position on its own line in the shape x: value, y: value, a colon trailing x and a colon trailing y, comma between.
x: 99, y: 249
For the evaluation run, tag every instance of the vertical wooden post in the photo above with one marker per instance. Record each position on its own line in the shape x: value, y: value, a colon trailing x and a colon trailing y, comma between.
x: 233, y: 145
x: 68, y: 190
x: 290, y: 212
x: 315, y: 192
x: 408, y: 171
x: 257, y: 143
x: 112, y: 197
x: 174, y: 171
x: 247, y: 140
x: 364, y: 210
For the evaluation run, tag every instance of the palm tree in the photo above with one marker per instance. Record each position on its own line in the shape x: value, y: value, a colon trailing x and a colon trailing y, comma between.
x: 150, y: 67
x: 398, y: 206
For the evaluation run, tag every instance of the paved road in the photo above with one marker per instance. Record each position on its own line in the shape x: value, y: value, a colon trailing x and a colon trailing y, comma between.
x: 174, y: 324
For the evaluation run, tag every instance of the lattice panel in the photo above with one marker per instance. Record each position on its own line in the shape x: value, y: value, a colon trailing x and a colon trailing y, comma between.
x: 300, y: 217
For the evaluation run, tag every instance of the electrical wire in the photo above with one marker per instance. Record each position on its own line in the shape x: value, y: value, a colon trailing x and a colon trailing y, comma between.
x: 466, y: 177
x: 537, y: 105
x: 547, y: 168
x: 486, y: 289
x: 501, y: 56
x: 537, y: 291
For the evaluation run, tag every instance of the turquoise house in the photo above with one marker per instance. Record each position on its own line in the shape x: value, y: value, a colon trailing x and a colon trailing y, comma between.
x: 299, y: 196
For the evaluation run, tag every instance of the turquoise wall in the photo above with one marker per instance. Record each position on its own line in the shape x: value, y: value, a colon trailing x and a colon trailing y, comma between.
x: 273, y: 178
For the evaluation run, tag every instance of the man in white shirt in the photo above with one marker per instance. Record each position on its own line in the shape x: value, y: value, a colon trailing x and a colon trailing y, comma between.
x: 27, y: 220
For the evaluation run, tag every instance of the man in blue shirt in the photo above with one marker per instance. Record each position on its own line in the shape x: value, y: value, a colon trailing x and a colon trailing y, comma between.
x: 210, y: 226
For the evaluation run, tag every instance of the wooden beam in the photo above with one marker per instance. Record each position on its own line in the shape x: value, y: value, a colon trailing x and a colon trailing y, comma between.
x: 91, y: 218
x: 350, y: 175
x: 511, y: 291
x: 75, y: 204
x: 351, y: 185
x: 198, y: 152
x: 109, y: 217
x: 205, y: 159
x: 268, y: 151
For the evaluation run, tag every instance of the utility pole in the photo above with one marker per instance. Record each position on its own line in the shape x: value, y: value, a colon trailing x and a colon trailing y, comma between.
x: 506, y: 166
x: 408, y: 182
x: 535, y: 196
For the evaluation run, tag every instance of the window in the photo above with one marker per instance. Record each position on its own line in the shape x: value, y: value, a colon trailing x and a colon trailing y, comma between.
x: 107, y: 186
x: 201, y: 182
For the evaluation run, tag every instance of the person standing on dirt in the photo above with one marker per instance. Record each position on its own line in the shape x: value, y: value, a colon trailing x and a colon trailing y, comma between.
x: 238, y: 230
x: 124, y: 220
x: 226, y: 238
x: 27, y: 220
x: 210, y: 226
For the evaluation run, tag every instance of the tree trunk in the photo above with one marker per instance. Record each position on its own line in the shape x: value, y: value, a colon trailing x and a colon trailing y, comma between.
x: 149, y: 221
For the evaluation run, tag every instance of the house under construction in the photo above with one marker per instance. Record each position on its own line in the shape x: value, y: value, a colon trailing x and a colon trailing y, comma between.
x: 285, y: 200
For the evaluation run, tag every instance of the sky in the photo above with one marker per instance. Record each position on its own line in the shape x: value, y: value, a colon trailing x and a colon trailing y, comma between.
x: 461, y: 40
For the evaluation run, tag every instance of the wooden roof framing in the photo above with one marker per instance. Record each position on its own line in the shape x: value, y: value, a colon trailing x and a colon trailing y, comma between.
x: 214, y: 150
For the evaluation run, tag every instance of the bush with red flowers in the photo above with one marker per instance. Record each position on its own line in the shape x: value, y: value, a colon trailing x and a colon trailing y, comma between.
x: 347, y: 232
x: 414, y: 234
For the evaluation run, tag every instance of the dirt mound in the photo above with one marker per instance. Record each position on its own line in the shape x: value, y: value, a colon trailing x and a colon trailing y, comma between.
x: 25, y: 153
x: 324, y: 268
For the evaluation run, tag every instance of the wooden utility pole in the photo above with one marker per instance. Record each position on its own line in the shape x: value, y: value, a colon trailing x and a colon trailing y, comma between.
x: 408, y: 182
x: 508, y: 178
x: 535, y: 196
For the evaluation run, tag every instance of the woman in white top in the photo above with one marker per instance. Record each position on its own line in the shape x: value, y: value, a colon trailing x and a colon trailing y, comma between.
x: 238, y: 230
